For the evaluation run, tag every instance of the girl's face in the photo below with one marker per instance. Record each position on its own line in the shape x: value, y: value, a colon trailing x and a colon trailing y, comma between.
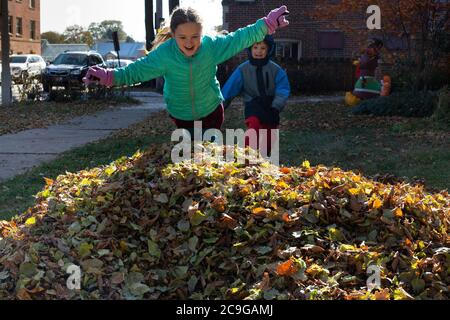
x: 259, y: 50
x: 188, y: 37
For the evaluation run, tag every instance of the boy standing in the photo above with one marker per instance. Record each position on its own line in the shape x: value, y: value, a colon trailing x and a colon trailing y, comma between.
x: 265, y: 88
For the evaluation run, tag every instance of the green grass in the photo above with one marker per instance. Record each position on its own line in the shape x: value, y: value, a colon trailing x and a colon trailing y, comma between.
x: 322, y: 133
x: 361, y: 150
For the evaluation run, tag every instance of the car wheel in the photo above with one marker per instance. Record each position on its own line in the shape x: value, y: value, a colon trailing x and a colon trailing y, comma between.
x: 46, y: 87
x: 24, y: 77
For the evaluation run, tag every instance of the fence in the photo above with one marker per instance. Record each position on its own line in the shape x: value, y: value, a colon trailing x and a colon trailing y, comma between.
x: 314, y: 75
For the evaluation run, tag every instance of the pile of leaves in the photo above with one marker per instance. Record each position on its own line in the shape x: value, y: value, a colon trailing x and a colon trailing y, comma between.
x: 405, y: 104
x: 143, y: 227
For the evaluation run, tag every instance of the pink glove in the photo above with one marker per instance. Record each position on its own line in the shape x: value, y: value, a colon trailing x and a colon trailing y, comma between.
x: 276, y: 19
x: 104, y: 77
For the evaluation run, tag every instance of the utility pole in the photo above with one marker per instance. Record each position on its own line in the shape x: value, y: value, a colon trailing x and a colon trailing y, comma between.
x: 173, y: 4
x: 6, y: 72
x: 149, y: 28
x: 158, y: 14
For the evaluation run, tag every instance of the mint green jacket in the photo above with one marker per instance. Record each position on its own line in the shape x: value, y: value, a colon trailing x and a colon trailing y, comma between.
x: 191, y: 89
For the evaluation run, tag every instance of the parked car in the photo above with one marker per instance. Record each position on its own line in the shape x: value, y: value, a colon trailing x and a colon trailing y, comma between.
x: 115, y: 63
x: 26, y: 65
x: 69, y: 68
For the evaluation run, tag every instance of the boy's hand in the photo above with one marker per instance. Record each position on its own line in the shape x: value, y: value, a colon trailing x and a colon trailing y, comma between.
x: 277, y: 19
x: 98, y: 75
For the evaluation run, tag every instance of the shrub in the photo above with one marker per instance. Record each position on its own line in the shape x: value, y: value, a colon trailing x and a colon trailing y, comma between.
x: 406, y: 104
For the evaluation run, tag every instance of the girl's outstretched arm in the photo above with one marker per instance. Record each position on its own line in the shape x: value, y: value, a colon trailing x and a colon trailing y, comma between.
x: 228, y: 46
x: 225, y: 47
x: 144, y: 69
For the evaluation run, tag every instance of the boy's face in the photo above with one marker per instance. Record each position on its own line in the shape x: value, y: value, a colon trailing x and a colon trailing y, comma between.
x: 259, y: 50
x: 188, y: 37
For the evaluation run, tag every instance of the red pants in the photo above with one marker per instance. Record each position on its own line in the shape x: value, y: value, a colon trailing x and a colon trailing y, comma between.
x: 254, y: 123
x: 212, y: 121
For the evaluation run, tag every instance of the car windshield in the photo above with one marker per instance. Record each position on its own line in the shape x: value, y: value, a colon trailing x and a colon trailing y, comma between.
x: 74, y: 59
x: 18, y: 59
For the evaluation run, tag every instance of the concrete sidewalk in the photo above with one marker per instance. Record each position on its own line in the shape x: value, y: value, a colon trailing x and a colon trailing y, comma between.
x: 21, y: 151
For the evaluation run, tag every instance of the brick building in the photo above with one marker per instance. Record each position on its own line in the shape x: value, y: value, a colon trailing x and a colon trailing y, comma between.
x: 305, y: 37
x: 306, y: 43
x: 25, y: 26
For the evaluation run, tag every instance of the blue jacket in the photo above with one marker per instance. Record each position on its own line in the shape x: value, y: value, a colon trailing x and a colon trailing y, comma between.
x: 265, y: 106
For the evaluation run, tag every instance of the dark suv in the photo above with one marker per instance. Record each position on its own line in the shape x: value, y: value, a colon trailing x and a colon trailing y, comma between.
x: 69, y: 68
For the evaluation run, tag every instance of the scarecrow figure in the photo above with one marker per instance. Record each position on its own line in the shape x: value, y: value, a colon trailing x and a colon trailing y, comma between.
x: 367, y: 86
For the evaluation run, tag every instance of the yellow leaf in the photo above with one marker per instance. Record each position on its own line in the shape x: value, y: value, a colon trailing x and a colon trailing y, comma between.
x: 234, y: 290
x: 259, y: 211
x: 377, y: 203
x: 409, y: 200
x: 353, y: 191
x: 282, y: 185
x: 197, y: 218
x: 398, y: 213
x: 356, y: 178
x: 306, y: 164
x: 48, y: 181
x: 85, y: 182
x: 45, y: 193
x: 30, y: 221
x: 110, y: 170
x: 244, y: 191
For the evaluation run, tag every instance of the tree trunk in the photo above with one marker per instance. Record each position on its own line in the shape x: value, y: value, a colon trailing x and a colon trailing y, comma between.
x: 6, y: 72
x: 158, y: 14
x: 173, y: 4
x: 149, y: 29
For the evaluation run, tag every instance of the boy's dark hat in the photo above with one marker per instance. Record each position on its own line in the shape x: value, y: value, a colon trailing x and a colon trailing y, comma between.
x: 268, y: 39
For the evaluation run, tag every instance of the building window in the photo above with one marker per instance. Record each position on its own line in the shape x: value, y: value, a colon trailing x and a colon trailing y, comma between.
x: 288, y: 49
x: 19, y: 26
x: 33, y: 30
x: 331, y: 40
x: 32, y: 4
x: 10, y: 24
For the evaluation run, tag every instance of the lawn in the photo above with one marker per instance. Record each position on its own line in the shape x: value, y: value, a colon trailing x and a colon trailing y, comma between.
x: 388, y: 149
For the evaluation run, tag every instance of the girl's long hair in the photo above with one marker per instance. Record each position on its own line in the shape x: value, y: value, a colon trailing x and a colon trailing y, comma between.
x: 178, y: 16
